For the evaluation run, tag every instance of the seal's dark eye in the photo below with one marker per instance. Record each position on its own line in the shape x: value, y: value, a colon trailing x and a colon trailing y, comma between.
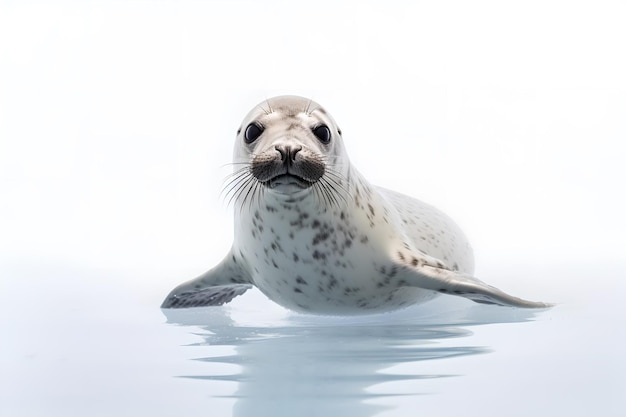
x: 322, y: 133
x: 253, y: 131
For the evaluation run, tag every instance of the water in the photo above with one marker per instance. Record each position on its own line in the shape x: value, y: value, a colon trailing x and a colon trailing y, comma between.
x: 94, y: 342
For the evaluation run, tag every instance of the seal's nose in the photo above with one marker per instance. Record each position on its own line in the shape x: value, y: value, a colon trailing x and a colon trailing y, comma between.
x: 288, y: 152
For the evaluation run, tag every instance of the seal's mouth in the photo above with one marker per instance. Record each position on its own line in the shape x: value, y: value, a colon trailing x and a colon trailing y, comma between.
x: 287, y: 181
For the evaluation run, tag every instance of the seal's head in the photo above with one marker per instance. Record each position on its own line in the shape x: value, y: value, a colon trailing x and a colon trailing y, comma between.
x: 288, y: 146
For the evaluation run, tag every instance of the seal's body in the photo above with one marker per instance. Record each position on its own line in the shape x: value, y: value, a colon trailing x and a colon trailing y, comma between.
x: 314, y: 236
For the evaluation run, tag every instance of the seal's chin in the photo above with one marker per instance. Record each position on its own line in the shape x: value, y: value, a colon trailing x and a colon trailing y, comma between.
x: 288, y: 184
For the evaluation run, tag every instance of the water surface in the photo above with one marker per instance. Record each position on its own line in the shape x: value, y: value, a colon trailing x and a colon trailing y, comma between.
x: 86, y: 342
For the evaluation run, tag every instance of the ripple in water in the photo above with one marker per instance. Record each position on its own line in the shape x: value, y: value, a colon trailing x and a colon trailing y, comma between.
x: 288, y: 364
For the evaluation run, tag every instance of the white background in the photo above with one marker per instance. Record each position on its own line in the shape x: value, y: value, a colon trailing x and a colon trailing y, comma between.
x: 117, y: 118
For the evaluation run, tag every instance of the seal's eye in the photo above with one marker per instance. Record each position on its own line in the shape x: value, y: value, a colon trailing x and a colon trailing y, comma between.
x: 253, y: 131
x: 322, y: 133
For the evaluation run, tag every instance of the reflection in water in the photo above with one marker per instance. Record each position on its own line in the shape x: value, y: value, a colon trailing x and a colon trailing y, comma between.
x: 310, y: 366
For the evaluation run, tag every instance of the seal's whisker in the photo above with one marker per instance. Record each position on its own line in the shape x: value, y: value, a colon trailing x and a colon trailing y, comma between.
x: 332, y: 196
x: 269, y: 106
x: 246, y: 184
x: 329, y: 193
x: 249, y: 193
x: 234, y: 163
x: 258, y: 193
x: 329, y: 158
x: 238, y: 185
x: 232, y: 182
x: 321, y: 194
x: 308, y: 107
x: 338, y: 181
x: 229, y: 164
x: 238, y: 173
x: 334, y: 192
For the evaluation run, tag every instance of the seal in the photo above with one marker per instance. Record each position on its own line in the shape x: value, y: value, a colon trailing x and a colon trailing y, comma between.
x: 314, y: 236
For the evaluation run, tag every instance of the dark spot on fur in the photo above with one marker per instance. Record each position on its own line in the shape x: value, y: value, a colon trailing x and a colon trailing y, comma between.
x: 332, y: 283
x: 296, y: 258
x: 369, y: 206
x: 315, y: 224
x: 364, y: 239
x: 320, y: 237
x: 297, y: 290
x: 351, y: 290
x: 414, y: 262
x: 318, y: 255
x: 301, y: 280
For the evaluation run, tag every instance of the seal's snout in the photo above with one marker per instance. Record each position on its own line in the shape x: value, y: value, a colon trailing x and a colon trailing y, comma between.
x: 288, y: 153
x: 287, y: 167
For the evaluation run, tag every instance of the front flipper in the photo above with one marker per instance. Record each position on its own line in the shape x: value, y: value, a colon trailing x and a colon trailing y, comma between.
x: 214, y: 288
x: 212, y: 296
x: 432, y: 274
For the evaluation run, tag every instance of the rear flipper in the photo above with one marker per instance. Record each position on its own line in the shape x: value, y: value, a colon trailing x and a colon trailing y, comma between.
x: 432, y: 274
x: 479, y: 292
x: 214, y: 288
